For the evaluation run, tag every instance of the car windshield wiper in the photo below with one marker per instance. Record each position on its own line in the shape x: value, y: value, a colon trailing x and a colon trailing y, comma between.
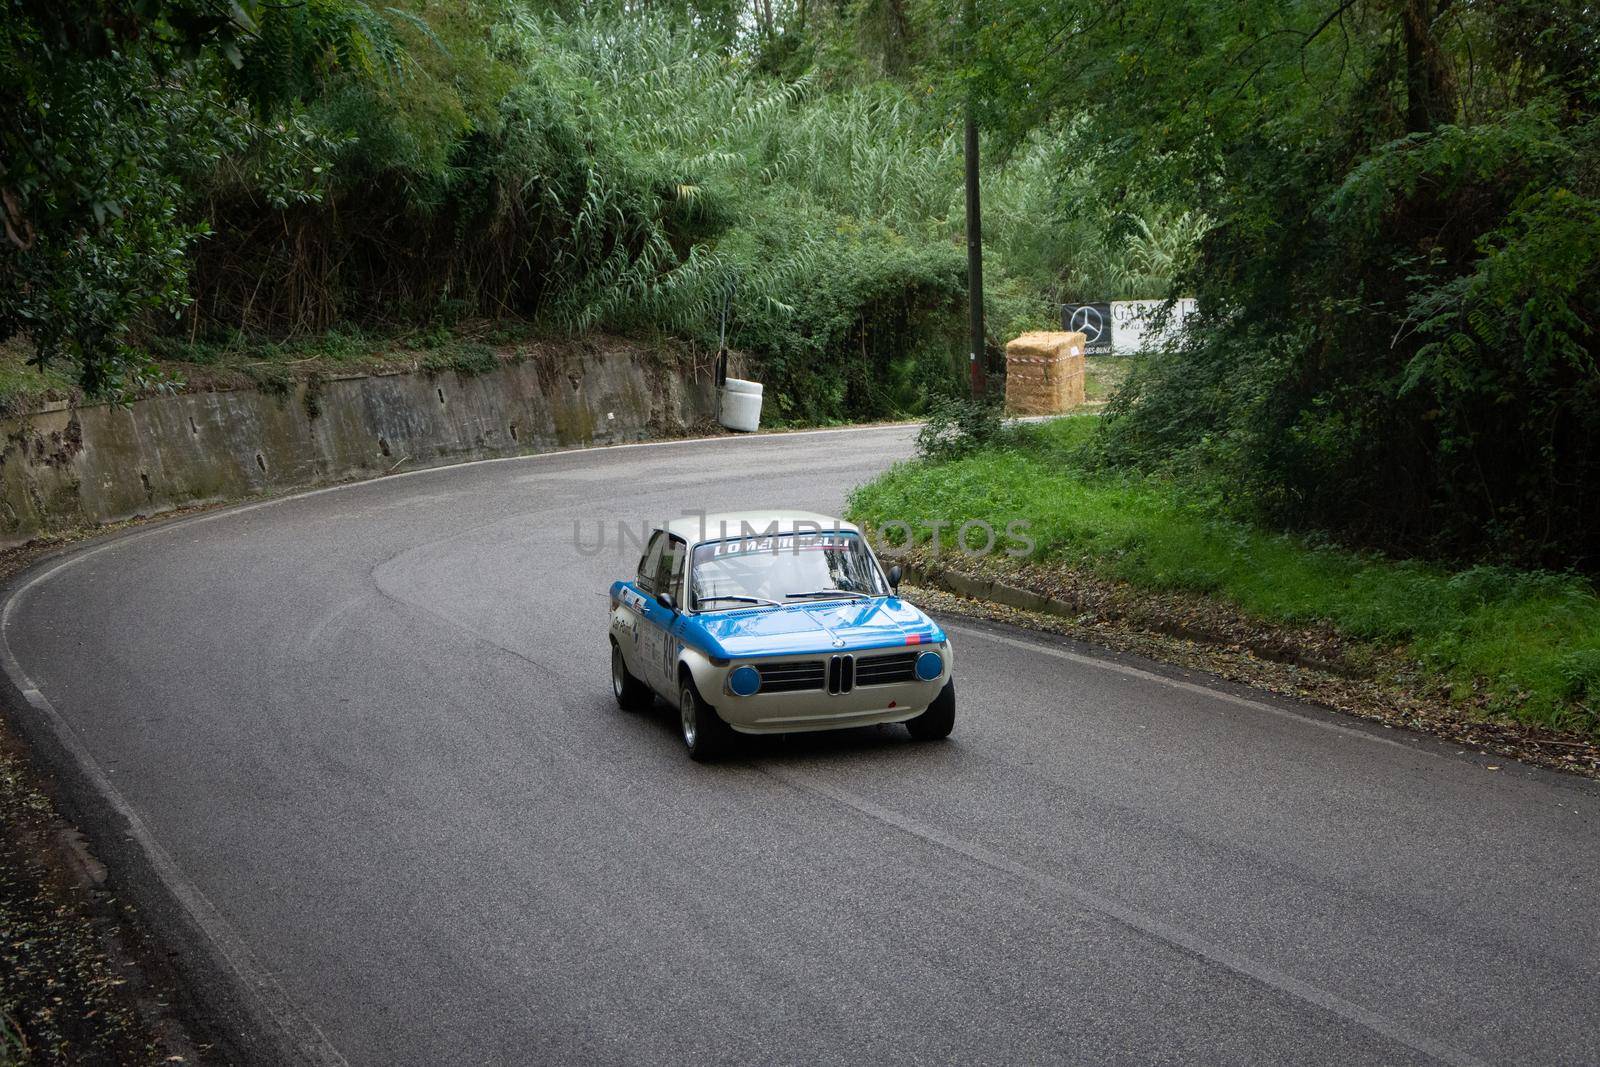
x: 740, y: 599
x: 831, y: 594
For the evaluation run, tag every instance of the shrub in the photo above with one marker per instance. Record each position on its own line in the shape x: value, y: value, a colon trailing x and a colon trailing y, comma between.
x: 960, y: 427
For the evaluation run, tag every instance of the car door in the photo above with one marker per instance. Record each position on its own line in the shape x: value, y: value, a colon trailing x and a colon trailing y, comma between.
x: 644, y: 647
x: 658, y: 644
x: 669, y: 579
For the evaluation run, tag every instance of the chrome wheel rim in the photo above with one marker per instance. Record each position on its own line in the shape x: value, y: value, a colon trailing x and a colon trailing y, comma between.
x: 616, y: 670
x: 687, y: 717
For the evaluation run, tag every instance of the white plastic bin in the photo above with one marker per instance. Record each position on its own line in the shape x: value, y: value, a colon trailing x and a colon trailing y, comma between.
x: 741, y: 404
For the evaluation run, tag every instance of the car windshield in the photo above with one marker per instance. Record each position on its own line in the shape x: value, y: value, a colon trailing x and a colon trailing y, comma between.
x: 783, y: 569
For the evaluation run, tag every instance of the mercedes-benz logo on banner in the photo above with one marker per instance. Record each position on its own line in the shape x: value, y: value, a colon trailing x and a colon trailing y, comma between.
x: 1094, y: 322
x: 1087, y: 321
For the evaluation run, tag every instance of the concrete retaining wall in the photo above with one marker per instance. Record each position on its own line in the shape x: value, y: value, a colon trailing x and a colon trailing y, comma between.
x: 83, y: 466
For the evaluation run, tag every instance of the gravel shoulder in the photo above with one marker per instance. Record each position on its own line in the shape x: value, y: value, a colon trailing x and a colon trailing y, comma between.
x: 83, y: 980
x: 1368, y: 681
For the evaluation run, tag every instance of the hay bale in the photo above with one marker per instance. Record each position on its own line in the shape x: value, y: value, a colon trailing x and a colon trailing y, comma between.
x: 1044, y: 373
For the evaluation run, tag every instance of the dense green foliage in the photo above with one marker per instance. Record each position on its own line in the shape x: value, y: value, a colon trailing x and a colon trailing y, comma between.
x: 1531, y: 640
x: 1388, y: 208
x: 302, y: 168
x: 1402, y: 284
x: 111, y: 112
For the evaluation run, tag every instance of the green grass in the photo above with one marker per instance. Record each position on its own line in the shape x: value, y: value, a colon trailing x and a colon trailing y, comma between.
x: 1532, y: 640
x: 335, y: 348
x: 1103, y: 376
x: 274, y: 366
x: 24, y: 388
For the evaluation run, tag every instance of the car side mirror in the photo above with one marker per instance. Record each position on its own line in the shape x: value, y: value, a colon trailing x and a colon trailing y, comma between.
x: 894, y: 577
x: 666, y: 600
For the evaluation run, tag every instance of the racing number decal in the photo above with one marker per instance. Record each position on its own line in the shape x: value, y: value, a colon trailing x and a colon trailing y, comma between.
x: 651, y: 639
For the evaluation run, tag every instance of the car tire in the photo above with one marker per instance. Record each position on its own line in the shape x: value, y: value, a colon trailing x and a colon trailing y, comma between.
x: 704, y: 733
x: 631, y: 693
x: 936, y: 723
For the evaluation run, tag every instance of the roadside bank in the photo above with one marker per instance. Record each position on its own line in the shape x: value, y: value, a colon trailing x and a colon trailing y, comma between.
x: 1488, y: 656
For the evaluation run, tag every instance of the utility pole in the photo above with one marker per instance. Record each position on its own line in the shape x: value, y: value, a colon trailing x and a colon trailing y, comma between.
x: 975, y: 342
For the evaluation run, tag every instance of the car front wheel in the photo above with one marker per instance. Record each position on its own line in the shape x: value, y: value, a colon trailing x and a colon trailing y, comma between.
x: 936, y: 723
x: 631, y: 693
x: 705, y: 735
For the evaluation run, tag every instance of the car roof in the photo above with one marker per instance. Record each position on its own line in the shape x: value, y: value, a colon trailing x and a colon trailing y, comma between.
x: 720, y: 524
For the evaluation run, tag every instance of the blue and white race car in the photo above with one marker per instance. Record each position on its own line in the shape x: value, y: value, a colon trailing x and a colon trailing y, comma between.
x: 761, y: 623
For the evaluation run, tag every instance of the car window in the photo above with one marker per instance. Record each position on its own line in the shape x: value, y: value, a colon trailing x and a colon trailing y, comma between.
x: 669, y: 567
x: 650, y: 561
x: 784, y: 569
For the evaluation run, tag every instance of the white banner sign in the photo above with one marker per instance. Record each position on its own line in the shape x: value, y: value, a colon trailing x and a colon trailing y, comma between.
x: 1125, y: 327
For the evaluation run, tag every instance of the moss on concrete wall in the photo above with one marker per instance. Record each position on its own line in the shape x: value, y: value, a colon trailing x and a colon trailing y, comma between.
x: 79, y: 466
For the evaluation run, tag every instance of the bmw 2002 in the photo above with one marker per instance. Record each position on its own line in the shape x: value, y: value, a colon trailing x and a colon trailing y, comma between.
x: 760, y: 623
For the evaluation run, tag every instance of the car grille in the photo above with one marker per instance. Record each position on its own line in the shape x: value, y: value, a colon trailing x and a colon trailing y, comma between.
x: 885, y: 670
x: 791, y: 677
x: 841, y: 674
x: 837, y: 674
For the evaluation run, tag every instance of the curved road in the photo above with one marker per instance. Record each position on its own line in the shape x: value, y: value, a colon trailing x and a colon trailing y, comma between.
x: 370, y: 736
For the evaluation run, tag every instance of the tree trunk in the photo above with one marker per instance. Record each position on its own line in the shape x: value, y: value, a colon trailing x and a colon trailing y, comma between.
x: 1430, y: 89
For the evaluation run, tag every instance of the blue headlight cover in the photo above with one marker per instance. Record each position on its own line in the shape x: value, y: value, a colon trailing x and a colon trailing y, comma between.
x: 744, y: 681
x: 929, y: 666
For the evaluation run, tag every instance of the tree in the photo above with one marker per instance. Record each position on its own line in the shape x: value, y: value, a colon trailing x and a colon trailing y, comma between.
x: 106, y: 108
x: 1399, y: 289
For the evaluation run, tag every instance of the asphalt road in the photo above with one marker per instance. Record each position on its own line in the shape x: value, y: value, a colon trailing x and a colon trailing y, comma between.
x: 372, y: 731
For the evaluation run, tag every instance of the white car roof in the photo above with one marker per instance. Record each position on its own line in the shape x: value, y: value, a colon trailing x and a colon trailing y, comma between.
x: 720, y: 524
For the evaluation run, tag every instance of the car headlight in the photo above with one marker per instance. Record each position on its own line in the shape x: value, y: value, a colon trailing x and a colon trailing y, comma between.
x: 744, y: 681
x: 929, y: 666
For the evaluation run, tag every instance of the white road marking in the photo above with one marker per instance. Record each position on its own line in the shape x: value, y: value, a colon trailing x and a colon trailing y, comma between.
x: 1135, y: 920
x: 257, y: 981
x: 1209, y: 692
x: 254, y: 979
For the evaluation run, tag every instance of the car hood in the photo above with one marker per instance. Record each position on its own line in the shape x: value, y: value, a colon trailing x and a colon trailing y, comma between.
x: 828, y: 626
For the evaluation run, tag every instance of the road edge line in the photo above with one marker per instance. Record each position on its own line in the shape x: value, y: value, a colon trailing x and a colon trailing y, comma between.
x: 280, y: 1031
x: 144, y: 864
x: 1140, y: 922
